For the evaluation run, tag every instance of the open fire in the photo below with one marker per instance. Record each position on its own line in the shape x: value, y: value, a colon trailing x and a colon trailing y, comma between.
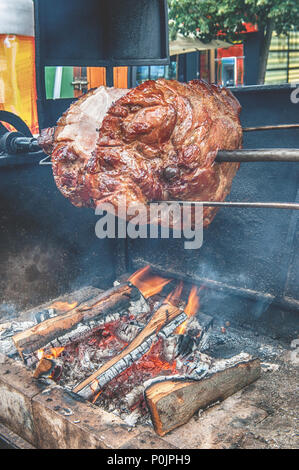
x: 136, y: 350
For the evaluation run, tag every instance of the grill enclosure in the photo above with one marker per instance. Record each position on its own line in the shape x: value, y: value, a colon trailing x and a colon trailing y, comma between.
x: 250, y: 255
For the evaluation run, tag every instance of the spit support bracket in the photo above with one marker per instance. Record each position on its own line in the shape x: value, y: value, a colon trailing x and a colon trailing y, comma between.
x: 46, y: 161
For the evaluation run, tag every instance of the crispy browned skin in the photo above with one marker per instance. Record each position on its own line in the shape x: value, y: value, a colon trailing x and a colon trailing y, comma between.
x: 73, y: 139
x: 157, y: 142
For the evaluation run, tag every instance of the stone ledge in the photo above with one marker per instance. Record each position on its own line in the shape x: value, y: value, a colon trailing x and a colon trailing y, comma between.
x: 64, y: 422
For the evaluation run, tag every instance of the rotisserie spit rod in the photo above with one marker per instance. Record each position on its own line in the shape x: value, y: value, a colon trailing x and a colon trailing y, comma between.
x: 258, y: 155
x: 255, y: 155
x: 29, y: 145
x: 261, y: 205
x: 271, y: 127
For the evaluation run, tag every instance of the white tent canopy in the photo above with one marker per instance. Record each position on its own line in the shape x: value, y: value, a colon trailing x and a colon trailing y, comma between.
x: 182, y: 45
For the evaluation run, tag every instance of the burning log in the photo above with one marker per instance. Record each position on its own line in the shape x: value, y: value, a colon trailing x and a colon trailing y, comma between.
x: 61, y: 330
x: 48, y: 368
x: 172, y: 402
x: 165, y: 320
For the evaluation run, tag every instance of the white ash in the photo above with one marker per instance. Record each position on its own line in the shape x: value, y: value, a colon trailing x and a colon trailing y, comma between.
x: 78, y: 333
x: 133, y: 417
x: 139, y: 307
x: 8, y: 348
x: 294, y: 343
x: 74, y: 373
x: 267, y: 367
x: 128, y: 331
x: 199, y: 327
x: 202, y: 358
x: 45, y: 314
x: 204, y: 342
x: 170, y: 348
x: 222, y: 364
x: 194, y: 370
x: 132, y: 397
x: 193, y: 325
x: 104, y: 354
x: 168, y: 329
x: 122, y: 406
x: 84, y: 358
x: 7, y: 331
x: 195, y: 365
x: 83, y: 330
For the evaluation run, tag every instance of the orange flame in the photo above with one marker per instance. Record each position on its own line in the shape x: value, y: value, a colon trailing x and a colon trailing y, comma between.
x: 63, y: 306
x: 193, y: 302
x: 55, y: 352
x: 94, y: 388
x: 191, y: 309
x: 148, y: 284
x: 96, y: 396
x: 174, y: 296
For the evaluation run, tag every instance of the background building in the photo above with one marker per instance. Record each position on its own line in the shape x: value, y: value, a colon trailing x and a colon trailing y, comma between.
x: 216, y: 62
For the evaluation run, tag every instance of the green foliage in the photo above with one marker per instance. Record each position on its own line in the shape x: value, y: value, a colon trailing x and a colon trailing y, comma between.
x: 205, y: 18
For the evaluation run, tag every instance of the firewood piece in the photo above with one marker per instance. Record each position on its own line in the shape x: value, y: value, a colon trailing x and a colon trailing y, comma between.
x: 61, y: 304
x: 173, y: 402
x: 40, y: 335
x: 48, y: 368
x: 163, y: 317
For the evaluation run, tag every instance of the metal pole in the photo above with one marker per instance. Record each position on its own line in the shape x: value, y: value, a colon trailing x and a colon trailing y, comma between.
x: 261, y: 205
x: 269, y: 128
x: 258, y: 155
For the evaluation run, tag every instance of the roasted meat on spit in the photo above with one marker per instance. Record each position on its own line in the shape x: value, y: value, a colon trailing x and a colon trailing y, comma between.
x: 157, y: 141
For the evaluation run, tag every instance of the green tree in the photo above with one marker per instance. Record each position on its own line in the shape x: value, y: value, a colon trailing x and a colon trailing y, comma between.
x: 205, y: 18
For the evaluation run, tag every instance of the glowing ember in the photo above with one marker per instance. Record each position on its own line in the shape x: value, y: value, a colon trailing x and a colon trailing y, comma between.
x: 191, y: 309
x: 148, y: 284
x: 64, y: 306
x: 149, y: 366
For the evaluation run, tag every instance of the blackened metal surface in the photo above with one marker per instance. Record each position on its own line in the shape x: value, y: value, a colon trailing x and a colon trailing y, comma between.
x: 96, y: 33
x: 49, y: 111
x: 47, y: 246
x: 255, y: 250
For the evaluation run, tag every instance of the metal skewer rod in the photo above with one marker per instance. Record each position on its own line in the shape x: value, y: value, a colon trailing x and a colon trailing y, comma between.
x: 269, y: 128
x: 241, y: 155
x: 262, y: 205
x: 258, y: 155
